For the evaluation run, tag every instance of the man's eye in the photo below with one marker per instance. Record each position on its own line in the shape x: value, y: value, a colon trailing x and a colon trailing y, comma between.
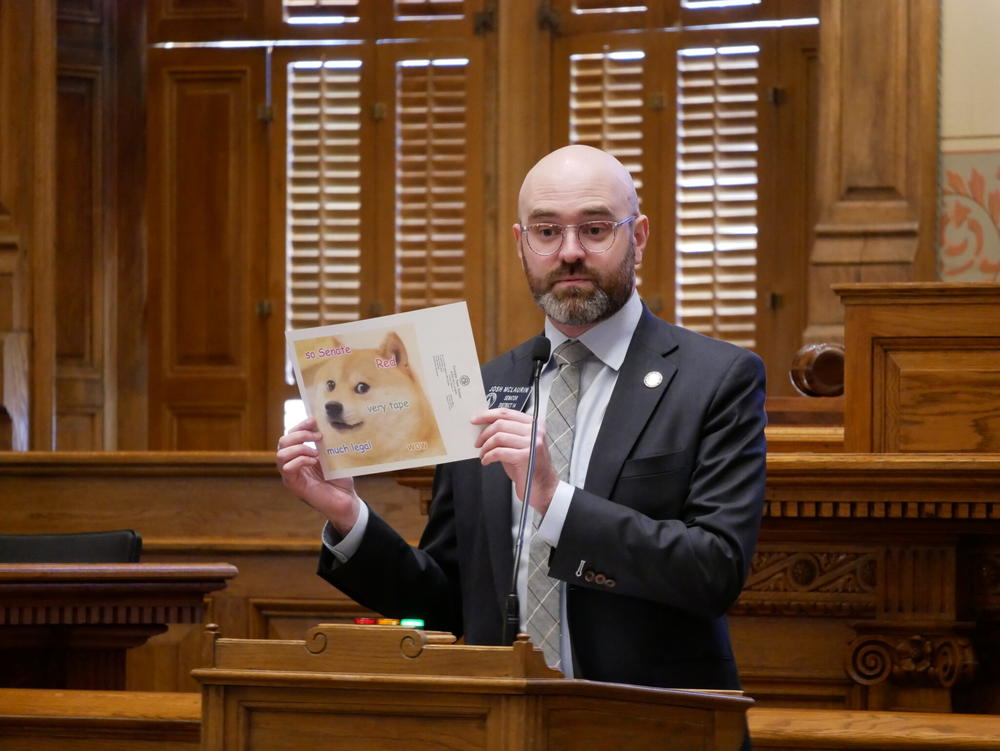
x: 596, y: 229
x: 331, y: 385
x: 362, y: 388
x: 547, y: 231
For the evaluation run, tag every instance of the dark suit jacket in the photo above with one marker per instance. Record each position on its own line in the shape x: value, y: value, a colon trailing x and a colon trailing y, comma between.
x: 655, y: 547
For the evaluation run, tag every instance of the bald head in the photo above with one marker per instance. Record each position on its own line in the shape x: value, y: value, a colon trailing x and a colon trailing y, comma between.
x: 581, y: 171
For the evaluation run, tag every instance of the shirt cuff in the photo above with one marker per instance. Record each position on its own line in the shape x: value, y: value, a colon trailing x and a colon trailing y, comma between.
x: 552, y: 523
x: 344, y: 547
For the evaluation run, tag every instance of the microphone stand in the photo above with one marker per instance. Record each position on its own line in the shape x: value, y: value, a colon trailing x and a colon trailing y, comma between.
x: 512, y: 606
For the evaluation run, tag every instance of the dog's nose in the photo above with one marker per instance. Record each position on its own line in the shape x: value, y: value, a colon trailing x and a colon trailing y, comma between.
x: 334, y: 410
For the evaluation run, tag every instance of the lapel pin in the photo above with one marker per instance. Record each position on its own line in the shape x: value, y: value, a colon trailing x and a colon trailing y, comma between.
x: 652, y: 379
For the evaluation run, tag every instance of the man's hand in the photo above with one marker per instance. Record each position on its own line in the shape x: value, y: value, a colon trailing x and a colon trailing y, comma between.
x: 302, y: 474
x: 506, y: 438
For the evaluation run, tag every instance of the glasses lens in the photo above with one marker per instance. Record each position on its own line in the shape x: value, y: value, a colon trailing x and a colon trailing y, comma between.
x: 544, y: 239
x: 596, y: 237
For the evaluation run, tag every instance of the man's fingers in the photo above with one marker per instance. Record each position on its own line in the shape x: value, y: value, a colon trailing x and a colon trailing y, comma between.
x: 501, y: 413
x: 505, y: 440
x: 299, y: 463
x: 295, y: 450
x: 503, y: 427
x: 293, y: 437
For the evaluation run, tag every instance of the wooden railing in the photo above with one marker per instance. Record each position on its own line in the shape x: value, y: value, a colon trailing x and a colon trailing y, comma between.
x: 43, y: 720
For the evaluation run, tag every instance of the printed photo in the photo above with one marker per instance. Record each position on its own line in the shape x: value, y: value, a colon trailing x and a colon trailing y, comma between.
x: 391, y: 392
x: 368, y: 400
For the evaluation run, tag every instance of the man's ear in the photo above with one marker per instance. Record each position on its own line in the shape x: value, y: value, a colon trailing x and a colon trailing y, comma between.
x: 640, y: 233
x: 392, y: 347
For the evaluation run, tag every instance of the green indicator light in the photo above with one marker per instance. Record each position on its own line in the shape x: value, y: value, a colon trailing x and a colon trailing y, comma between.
x: 412, y: 622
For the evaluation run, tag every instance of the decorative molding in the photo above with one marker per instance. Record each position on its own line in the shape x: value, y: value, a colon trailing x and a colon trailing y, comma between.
x: 938, y: 661
x: 811, y: 582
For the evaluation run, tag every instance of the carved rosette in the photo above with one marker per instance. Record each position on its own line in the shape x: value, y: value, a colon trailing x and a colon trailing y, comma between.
x: 936, y: 661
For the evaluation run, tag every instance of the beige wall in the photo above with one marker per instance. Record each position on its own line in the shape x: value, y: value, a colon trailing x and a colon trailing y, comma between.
x: 969, y: 216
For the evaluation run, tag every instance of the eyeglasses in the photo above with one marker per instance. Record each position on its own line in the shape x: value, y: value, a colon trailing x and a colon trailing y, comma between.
x: 545, y: 238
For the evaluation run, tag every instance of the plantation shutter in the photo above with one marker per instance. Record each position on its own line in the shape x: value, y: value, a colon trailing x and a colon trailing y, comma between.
x: 323, y: 194
x: 716, y: 215
x: 432, y: 157
x: 606, y: 105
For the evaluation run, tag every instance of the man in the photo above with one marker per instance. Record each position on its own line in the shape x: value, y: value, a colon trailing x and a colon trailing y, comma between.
x: 648, y: 533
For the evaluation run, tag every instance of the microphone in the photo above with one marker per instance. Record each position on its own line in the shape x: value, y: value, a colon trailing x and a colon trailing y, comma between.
x: 540, y: 348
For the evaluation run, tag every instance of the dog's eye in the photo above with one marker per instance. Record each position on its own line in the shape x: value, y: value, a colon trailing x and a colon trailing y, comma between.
x: 331, y: 385
x: 362, y: 388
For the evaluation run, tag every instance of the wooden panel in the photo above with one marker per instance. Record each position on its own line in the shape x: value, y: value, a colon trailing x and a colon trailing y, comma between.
x: 206, y: 245
x: 130, y: 304
x: 937, y: 396
x: 81, y: 260
x: 27, y: 202
x: 50, y: 720
x: 878, y: 99
x: 922, y: 367
x: 817, y: 730
x: 204, y: 20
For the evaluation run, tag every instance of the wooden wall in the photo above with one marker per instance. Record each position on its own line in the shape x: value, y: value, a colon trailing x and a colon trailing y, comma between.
x: 27, y: 238
x: 72, y: 272
x: 105, y: 348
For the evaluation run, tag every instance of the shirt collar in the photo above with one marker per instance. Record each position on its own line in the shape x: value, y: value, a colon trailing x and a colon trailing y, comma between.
x: 609, y: 339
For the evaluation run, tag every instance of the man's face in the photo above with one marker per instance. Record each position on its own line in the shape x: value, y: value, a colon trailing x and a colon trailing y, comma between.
x: 584, y: 290
x: 576, y: 287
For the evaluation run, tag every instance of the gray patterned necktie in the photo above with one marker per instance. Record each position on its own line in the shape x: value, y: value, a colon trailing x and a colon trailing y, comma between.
x: 542, y: 621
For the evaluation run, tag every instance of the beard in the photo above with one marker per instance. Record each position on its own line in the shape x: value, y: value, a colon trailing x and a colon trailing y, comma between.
x: 577, y: 306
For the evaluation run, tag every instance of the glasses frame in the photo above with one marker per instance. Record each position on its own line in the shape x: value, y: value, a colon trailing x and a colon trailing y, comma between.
x: 576, y: 227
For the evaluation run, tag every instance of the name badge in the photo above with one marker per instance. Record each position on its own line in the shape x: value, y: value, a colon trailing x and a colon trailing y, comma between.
x: 511, y: 397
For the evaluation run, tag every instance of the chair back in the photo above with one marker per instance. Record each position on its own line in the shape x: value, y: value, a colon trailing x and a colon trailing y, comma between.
x: 114, y: 546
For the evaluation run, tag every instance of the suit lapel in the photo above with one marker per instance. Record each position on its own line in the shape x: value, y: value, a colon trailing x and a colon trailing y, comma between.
x: 632, y: 402
x: 496, y: 487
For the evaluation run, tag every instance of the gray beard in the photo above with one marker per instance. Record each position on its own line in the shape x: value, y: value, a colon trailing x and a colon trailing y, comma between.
x: 577, y: 308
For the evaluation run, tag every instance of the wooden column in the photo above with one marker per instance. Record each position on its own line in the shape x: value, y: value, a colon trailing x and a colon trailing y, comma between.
x: 522, y: 138
x: 27, y: 239
x: 877, y: 151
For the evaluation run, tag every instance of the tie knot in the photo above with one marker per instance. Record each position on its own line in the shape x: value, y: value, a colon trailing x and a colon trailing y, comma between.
x: 571, y: 352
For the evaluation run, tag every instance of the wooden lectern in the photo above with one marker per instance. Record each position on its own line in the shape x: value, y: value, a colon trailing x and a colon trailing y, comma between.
x: 377, y: 687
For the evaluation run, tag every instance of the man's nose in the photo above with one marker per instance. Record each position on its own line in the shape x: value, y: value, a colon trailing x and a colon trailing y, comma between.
x: 571, y: 249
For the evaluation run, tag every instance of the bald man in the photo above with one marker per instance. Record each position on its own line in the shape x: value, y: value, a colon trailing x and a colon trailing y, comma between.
x: 648, y: 533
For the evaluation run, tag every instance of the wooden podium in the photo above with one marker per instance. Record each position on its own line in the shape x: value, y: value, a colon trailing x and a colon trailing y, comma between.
x: 376, y: 687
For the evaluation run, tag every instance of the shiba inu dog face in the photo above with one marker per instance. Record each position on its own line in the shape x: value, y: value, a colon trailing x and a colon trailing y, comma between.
x: 370, y: 406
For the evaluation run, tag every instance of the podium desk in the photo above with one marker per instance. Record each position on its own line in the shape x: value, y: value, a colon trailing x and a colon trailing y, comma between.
x: 69, y: 625
x: 377, y: 687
